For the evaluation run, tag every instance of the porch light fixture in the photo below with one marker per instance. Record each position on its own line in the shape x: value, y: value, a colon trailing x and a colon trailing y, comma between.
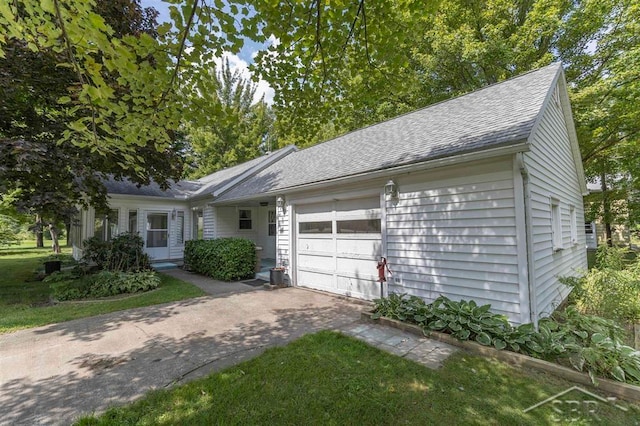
x: 173, y: 214
x: 280, y: 203
x: 391, y: 190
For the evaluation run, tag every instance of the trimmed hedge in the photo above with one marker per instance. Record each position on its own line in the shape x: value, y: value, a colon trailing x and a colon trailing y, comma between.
x: 226, y: 259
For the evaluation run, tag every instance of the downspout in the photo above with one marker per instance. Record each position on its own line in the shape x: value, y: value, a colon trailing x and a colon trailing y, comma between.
x: 533, y: 306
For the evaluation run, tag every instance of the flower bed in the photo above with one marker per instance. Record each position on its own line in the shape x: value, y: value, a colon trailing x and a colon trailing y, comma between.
x: 587, y: 343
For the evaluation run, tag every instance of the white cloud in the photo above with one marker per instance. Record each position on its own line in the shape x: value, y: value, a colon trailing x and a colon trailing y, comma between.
x: 235, y: 63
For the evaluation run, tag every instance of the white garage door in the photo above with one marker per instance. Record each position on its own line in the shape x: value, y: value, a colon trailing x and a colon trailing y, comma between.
x: 338, y: 245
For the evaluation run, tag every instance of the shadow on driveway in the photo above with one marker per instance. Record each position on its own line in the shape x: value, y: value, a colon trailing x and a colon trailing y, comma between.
x: 53, y: 374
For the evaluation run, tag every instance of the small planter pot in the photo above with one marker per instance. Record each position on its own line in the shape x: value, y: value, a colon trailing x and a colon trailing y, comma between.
x: 52, y: 266
x: 276, y: 276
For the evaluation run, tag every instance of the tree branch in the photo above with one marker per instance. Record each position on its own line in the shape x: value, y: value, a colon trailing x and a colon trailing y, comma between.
x: 72, y: 58
x: 183, y: 42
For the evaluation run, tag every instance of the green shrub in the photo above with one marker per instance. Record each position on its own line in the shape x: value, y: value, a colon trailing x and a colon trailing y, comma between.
x: 104, y: 284
x: 225, y: 259
x: 96, y: 251
x: 611, y: 289
x: 125, y: 252
x: 111, y: 283
x: 58, y: 276
x: 70, y: 290
x: 587, y: 343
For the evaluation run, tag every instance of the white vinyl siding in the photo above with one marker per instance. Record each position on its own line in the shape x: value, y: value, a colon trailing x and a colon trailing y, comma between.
x: 453, y: 233
x: 227, y: 220
x: 552, y: 174
x: 283, y: 245
x: 209, y: 221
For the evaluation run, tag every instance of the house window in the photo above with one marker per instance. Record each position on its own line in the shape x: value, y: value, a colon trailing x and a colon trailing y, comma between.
x: 180, y: 228
x: 133, y: 221
x: 574, y: 225
x: 324, y: 227
x: 271, y: 222
x: 359, y: 226
x: 588, y: 228
x: 556, y: 225
x: 106, y: 226
x: 244, y: 220
x: 197, y: 225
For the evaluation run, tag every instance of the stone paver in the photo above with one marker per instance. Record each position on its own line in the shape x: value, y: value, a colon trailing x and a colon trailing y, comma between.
x: 427, y: 352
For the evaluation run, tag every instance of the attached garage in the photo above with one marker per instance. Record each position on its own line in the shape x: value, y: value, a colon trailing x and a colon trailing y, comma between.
x: 337, y: 246
x: 476, y: 197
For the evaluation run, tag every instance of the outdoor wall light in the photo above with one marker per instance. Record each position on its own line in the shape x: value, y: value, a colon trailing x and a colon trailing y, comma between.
x: 173, y: 214
x: 280, y: 203
x: 391, y: 190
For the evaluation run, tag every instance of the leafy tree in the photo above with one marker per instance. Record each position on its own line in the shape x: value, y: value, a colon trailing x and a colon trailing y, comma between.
x: 238, y: 133
x: 66, y: 125
x: 337, y: 65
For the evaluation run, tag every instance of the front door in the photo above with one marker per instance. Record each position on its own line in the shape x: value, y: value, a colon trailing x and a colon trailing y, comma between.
x: 157, y: 238
x: 270, y: 240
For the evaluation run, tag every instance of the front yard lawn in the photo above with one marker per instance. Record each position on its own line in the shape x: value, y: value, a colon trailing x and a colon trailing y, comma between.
x: 25, y: 303
x: 328, y: 378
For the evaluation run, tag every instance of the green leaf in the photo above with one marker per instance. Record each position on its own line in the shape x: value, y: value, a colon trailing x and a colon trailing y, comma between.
x: 535, y: 347
x: 483, y: 338
x: 618, y: 373
x: 463, y: 334
x: 598, y: 338
x: 437, y: 325
x: 499, y: 344
x: 64, y: 100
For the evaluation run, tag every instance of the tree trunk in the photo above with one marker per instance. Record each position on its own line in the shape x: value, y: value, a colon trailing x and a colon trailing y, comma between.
x: 54, y: 238
x: 606, y: 210
x: 68, y: 229
x: 39, y: 233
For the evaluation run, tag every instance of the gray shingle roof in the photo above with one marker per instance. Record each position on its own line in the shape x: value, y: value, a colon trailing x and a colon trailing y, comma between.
x: 203, y: 186
x: 497, y: 115
x: 180, y: 189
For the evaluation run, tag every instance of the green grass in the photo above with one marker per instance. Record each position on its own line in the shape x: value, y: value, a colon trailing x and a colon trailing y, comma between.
x: 24, y: 303
x: 331, y: 379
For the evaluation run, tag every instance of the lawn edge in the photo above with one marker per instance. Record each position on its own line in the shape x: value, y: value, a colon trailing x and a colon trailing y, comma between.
x: 624, y: 391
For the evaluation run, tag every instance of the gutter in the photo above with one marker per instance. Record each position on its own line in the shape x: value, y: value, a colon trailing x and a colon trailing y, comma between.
x: 518, y: 147
x: 533, y: 306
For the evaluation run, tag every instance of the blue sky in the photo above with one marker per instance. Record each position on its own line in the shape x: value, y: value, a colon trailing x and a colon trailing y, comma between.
x: 247, y: 52
x: 240, y: 61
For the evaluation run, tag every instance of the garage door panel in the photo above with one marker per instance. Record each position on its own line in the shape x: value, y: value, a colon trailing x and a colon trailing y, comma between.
x: 344, y: 260
x: 371, y: 246
x: 324, y: 262
x: 358, y: 287
x: 356, y: 266
x: 317, y: 244
x: 320, y: 280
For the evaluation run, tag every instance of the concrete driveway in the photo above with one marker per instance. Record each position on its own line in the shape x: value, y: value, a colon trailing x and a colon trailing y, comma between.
x: 53, y: 374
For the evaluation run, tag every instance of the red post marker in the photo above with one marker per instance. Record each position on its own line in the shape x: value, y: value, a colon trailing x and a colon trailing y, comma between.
x: 382, y: 265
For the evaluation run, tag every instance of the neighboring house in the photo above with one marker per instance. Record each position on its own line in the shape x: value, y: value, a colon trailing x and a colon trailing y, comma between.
x: 478, y: 197
x: 595, y: 230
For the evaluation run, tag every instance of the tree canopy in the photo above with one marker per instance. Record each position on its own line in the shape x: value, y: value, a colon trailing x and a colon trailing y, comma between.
x: 238, y: 133
x: 113, y: 89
